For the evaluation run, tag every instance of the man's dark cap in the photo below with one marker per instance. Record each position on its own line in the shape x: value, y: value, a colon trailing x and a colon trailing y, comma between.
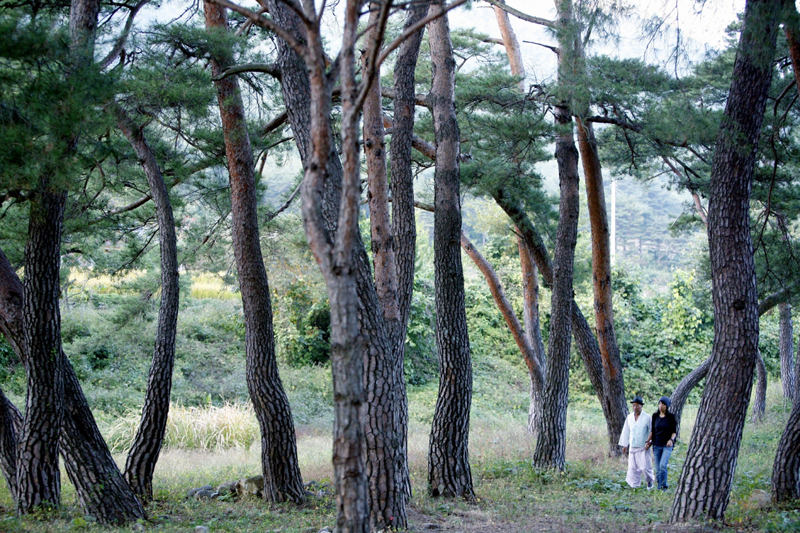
x: 638, y: 399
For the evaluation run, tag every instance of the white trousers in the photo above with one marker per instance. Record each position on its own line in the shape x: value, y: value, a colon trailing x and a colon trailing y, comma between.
x: 639, y: 463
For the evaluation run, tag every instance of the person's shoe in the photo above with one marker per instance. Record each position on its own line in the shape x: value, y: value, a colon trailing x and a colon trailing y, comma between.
x: 650, y: 485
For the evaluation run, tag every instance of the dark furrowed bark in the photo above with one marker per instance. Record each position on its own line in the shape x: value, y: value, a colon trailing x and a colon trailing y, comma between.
x: 146, y: 447
x: 280, y: 466
x: 703, y: 488
x: 101, y: 489
x: 448, y: 459
x: 38, y: 477
x: 551, y: 444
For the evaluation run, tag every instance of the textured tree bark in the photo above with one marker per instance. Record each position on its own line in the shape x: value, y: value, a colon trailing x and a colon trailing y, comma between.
x: 703, y: 488
x: 532, y: 327
x: 387, y: 470
x: 760, y: 399
x: 144, y: 452
x: 681, y: 392
x: 614, y: 383
x: 786, y: 468
x: 102, y: 491
x: 449, y: 472
x: 279, y: 463
x: 788, y: 378
x: 38, y: 476
x: 551, y: 444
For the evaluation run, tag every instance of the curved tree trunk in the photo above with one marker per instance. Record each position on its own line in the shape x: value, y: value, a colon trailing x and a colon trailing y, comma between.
x: 614, y: 384
x: 551, y: 444
x: 280, y: 467
x: 760, y: 400
x: 144, y: 452
x: 523, y: 341
x: 788, y: 377
x: 449, y: 472
x: 701, y: 490
x: 681, y: 392
x: 786, y: 468
x: 102, y: 491
x: 581, y: 331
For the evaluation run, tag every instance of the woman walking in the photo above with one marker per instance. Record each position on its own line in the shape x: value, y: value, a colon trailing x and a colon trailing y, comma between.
x: 662, y: 438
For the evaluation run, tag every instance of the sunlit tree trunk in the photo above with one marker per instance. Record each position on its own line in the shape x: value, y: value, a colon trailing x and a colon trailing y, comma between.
x: 703, y: 490
x: 613, y: 382
x: 280, y: 467
x: 448, y: 459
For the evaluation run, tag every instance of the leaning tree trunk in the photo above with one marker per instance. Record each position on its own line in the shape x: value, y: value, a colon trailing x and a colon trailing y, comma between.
x: 102, y: 490
x: 681, y: 392
x: 703, y: 490
x: 788, y: 377
x: 551, y: 445
x: 144, y: 452
x: 585, y: 340
x: 533, y: 330
x: 523, y: 341
x: 760, y: 399
x: 279, y: 463
x: 448, y: 460
x: 614, y: 384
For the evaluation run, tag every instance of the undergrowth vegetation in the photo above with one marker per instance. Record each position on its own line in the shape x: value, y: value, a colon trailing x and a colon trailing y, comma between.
x: 212, y: 436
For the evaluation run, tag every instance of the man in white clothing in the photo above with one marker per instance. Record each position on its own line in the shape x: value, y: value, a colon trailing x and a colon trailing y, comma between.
x: 634, y: 442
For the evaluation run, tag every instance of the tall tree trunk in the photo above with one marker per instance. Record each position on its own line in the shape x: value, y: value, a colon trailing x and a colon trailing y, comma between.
x: 279, y: 463
x: 703, y: 490
x: 613, y: 381
x: 387, y: 411
x: 511, y: 45
x: 448, y: 459
x: 102, y: 491
x: 404, y: 227
x: 144, y: 452
x: 788, y: 377
x: 38, y: 477
x: 760, y: 400
x: 551, y: 444
x: 533, y: 330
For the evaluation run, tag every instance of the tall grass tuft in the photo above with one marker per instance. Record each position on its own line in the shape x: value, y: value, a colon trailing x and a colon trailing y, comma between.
x: 194, y: 428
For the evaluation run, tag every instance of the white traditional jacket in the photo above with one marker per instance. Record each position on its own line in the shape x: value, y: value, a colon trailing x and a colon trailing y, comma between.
x: 635, y: 432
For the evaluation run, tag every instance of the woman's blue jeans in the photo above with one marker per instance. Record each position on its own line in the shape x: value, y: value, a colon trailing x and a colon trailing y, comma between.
x: 660, y: 459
